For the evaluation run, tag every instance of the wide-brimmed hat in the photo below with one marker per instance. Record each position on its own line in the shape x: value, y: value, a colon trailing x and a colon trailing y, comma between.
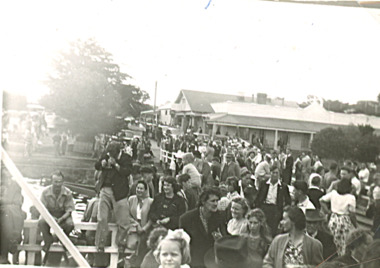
x: 314, y: 215
x: 232, y: 252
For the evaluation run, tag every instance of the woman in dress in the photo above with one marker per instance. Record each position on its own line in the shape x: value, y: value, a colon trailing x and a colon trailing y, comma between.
x: 343, y: 218
x: 167, y: 206
x: 238, y: 225
x: 259, y: 232
x: 139, y: 207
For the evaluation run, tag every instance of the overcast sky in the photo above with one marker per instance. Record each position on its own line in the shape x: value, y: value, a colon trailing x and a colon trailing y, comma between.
x: 248, y: 46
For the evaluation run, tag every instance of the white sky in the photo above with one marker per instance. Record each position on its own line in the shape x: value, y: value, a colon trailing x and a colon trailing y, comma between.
x: 283, y: 49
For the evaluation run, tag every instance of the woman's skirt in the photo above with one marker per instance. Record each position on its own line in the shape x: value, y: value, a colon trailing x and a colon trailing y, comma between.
x: 340, y: 226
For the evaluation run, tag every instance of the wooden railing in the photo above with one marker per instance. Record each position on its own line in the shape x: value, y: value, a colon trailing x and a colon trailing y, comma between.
x: 18, y: 177
x: 165, y: 156
x: 32, y: 247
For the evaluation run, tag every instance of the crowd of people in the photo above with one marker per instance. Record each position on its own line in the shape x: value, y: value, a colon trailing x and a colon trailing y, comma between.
x: 224, y: 204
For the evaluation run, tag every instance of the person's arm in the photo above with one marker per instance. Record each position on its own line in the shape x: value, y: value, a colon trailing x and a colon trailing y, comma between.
x: 323, y: 202
x: 317, y: 254
x: 181, y: 209
x: 351, y: 211
x: 69, y: 208
x: 237, y: 170
x: 269, y: 260
x: 287, y: 198
x: 154, y: 211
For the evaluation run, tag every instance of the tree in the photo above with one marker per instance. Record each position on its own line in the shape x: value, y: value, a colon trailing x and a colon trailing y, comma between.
x: 132, y: 100
x: 353, y: 142
x: 86, y: 88
x: 330, y: 143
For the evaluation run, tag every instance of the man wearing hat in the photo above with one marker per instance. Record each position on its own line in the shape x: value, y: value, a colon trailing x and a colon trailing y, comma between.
x: 314, y: 220
x: 230, y: 168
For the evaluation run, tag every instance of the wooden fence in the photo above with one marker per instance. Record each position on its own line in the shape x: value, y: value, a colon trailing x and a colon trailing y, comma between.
x: 31, y: 248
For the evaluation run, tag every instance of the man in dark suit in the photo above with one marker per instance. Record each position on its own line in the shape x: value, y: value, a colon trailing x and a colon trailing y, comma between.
x: 314, y: 192
x: 230, y: 168
x: 272, y: 197
x: 216, y: 169
x: 204, y: 225
x: 314, y: 219
x: 287, y: 172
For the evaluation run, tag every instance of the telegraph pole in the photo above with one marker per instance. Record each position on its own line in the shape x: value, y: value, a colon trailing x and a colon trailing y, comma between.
x: 154, y: 107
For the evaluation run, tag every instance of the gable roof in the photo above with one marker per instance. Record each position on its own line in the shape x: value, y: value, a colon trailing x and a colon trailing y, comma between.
x: 200, y: 101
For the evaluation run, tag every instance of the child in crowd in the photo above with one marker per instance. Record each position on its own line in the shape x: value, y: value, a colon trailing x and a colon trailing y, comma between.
x: 174, y: 250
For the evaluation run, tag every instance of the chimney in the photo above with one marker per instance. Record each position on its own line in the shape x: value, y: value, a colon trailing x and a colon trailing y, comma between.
x: 261, y: 98
x: 241, y: 96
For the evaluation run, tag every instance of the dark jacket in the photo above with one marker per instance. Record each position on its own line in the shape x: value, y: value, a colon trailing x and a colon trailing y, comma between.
x: 327, y: 241
x: 163, y: 207
x: 283, y: 196
x: 201, y: 241
x: 314, y: 196
x: 191, y: 198
x: 288, y: 170
x: 119, y: 178
x: 229, y: 170
x: 216, y: 170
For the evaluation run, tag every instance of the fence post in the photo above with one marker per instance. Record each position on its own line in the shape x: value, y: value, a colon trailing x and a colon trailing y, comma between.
x: 114, y: 256
x: 17, y: 176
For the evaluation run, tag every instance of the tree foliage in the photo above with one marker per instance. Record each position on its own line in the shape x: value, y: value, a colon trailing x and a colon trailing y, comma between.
x: 353, y: 142
x: 88, y: 89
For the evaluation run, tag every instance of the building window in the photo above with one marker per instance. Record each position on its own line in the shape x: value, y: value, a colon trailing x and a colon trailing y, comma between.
x: 305, y: 142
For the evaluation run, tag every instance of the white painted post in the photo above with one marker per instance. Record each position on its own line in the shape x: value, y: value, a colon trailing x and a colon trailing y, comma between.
x: 275, y: 139
x: 114, y: 256
x: 17, y: 176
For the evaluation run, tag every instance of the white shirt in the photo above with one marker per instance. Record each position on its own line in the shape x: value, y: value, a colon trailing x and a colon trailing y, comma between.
x: 364, y: 175
x: 272, y: 193
x: 356, y: 183
x: 340, y: 204
x: 306, y: 204
x: 138, y: 211
x: 376, y: 193
x: 195, y: 177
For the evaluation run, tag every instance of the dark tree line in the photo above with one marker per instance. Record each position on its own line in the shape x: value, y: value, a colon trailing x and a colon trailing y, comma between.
x: 353, y: 142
